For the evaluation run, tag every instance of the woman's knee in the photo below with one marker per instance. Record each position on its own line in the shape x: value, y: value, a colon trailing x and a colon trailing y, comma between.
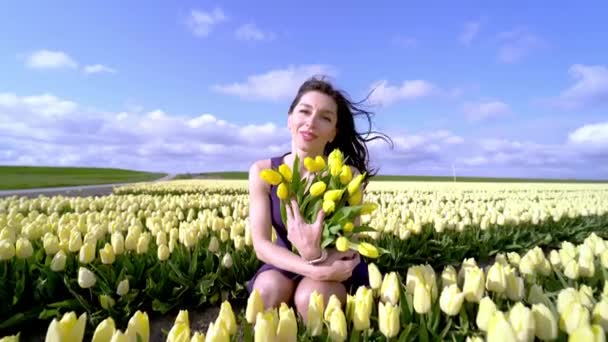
x: 308, y: 286
x: 274, y: 288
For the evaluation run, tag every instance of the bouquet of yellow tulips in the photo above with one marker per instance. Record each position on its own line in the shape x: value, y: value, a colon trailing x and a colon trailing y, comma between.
x: 331, y: 187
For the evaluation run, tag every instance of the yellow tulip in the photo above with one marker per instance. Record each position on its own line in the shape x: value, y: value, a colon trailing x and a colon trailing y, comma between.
x: 362, y: 308
x: 496, y: 280
x: 586, y: 333
x: 451, y: 300
x: 23, y: 248
x: 119, y: 336
x: 522, y: 321
x: 87, y: 253
x: 449, y: 276
x: 197, y: 337
x: 355, y: 199
x: 287, y: 329
x: 388, y: 319
x: 180, y: 331
x: 86, y: 278
x: 285, y: 171
x: 335, y: 170
x: 390, y: 288
x: 545, y: 323
x: 337, y: 325
x: 499, y: 329
x: 375, y: 277
x: 139, y: 326
x: 332, y: 304
x: 320, y: 162
x: 50, y: 244
x: 345, y: 175
x: 355, y: 183
x: 107, y: 254
x: 264, y: 329
x: 69, y: 328
x: 342, y: 244
x: 368, y: 250
x: 329, y: 206
x: 163, y: 253
x: 123, y: 287
x: 226, y: 315
x: 58, y: 262
x: 484, y: 313
x: 254, y: 305
x: 473, y: 284
x: 600, y: 313
x: 314, y: 165
x: 368, y: 208
x: 271, y: 176
x: 106, y: 301
x: 317, y: 189
x: 283, y: 191
x: 573, y: 317
x: 335, y: 159
x: 314, y: 321
x: 348, y: 227
x: 7, y: 250
x: 332, y: 195
x: 104, y: 330
x: 422, y: 299
x: 118, y: 243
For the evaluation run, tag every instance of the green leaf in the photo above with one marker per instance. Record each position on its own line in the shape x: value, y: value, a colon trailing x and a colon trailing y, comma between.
x: 335, y: 229
x: 327, y: 241
x: 359, y: 229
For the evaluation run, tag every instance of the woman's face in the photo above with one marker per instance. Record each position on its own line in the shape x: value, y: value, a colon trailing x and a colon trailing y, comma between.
x: 313, y: 122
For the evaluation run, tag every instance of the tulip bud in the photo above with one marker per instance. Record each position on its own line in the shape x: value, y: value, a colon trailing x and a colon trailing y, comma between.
x: 422, y: 299
x: 227, y: 260
x: 368, y: 250
x: 163, y: 252
x: 449, y: 276
x: 345, y: 175
x: 7, y: 250
x: 317, y: 189
x: 337, y: 325
x: 388, y: 319
x: 51, y: 244
x: 600, y: 313
x: 139, y: 326
x: 573, y: 317
x: 545, y: 323
x: 496, y: 280
x: 355, y: 199
x: 107, y: 254
x: 361, y: 308
x: 522, y: 322
x: 104, y: 330
x: 485, y: 312
x: 342, y: 244
x: 451, y: 300
x: 287, y: 329
x: 123, y: 287
x: 283, y: 191
x: 329, y: 206
x: 473, y: 288
x: 143, y: 242
x: 197, y: 337
x: 585, y: 296
x: 499, y: 329
x: 180, y: 331
x: 390, y: 288
x: 214, y: 245
x: 571, y: 270
x: 86, y: 278
x: 254, y: 305
x: 355, y: 184
x: 118, y: 243
x: 120, y: 336
x: 58, y: 262
x: 226, y: 316
x: 23, y: 248
x: 314, y: 321
x: 271, y: 176
x: 311, y: 165
x: 264, y: 329
x: 69, y: 328
x: 375, y: 277
x: 285, y: 171
x: 75, y: 241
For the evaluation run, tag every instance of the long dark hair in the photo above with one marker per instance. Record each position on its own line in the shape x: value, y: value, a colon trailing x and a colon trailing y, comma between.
x: 351, y: 142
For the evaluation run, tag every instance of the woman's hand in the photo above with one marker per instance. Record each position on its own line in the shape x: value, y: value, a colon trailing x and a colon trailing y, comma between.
x: 338, y: 266
x: 305, y: 237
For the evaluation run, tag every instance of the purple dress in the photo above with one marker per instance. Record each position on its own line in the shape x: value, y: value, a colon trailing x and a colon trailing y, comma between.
x: 360, y: 274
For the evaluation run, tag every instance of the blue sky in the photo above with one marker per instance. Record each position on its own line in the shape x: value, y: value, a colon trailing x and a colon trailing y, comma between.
x: 493, y: 89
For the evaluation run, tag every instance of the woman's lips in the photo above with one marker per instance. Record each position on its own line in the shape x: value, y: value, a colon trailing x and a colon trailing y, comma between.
x: 307, y: 136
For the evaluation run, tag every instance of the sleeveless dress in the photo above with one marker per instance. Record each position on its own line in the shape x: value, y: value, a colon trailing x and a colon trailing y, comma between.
x: 360, y: 274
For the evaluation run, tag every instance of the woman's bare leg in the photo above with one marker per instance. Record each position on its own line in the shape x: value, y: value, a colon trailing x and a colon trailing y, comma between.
x: 274, y: 288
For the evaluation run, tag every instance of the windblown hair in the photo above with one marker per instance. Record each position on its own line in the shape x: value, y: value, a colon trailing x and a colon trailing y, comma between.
x: 351, y: 142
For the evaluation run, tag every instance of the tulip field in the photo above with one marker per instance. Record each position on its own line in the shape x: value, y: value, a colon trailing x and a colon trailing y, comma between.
x: 465, y: 262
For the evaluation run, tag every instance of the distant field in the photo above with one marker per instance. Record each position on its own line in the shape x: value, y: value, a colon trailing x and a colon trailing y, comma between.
x: 244, y: 175
x: 28, y: 177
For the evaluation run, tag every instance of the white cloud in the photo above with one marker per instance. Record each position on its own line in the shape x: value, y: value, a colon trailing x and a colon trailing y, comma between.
x: 385, y: 94
x: 517, y: 44
x: 278, y: 84
x: 590, y: 88
x: 594, y: 135
x: 470, y: 30
x: 48, y: 59
x: 252, y: 32
x: 98, y: 69
x: 485, y: 110
x: 201, y: 23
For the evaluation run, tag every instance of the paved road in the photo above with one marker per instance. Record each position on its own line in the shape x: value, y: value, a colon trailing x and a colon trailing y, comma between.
x: 80, y: 191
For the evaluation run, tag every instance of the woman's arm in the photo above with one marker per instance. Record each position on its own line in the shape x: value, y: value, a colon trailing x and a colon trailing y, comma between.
x: 261, y: 226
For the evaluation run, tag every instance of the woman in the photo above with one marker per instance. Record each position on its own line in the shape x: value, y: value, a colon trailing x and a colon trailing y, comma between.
x: 320, y: 119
